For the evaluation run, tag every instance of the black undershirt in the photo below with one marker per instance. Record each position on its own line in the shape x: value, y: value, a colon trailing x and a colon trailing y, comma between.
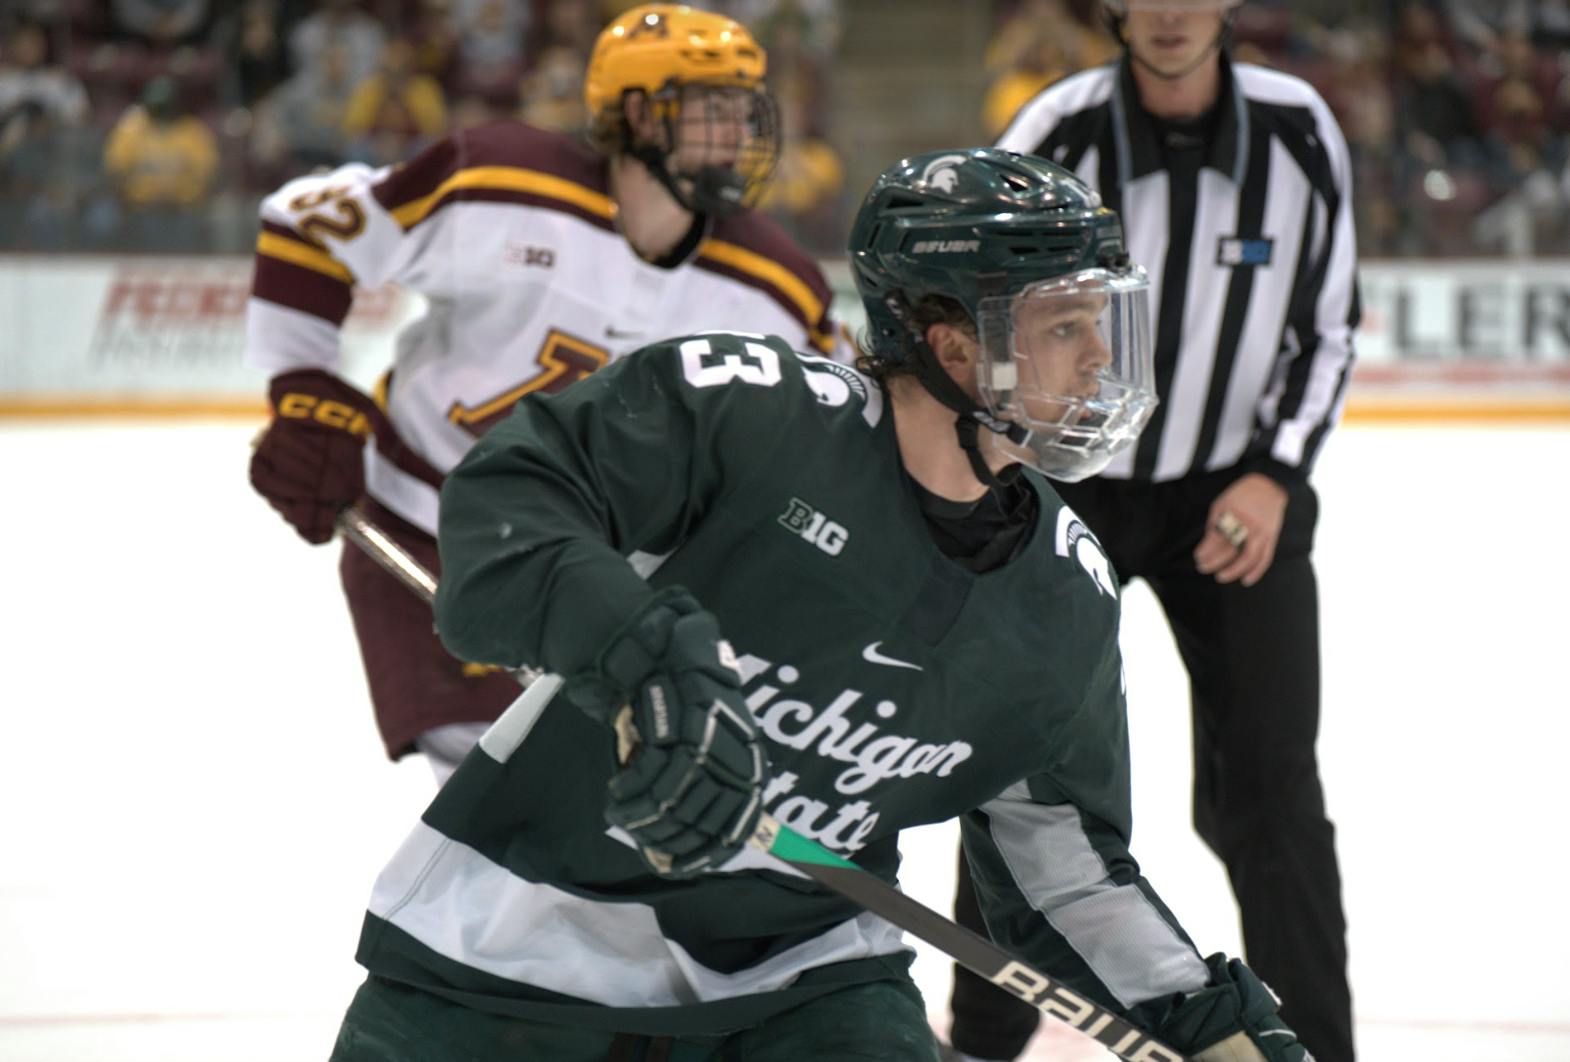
x: 986, y: 533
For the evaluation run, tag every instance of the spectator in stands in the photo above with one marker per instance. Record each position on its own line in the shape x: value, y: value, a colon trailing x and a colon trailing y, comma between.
x: 1432, y: 101
x: 1529, y: 216
x: 491, y: 33
x: 1513, y: 57
x: 1040, y: 43
x: 256, y: 60
x: 805, y: 193
x: 433, y: 30
x: 300, y: 125
x: 396, y: 111
x: 36, y: 179
x: 818, y: 22
x: 28, y: 77
x: 552, y: 91
x: 342, y: 24
x: 162, y: 23
x: 570, y: 24
x: 1350, y: 68
x: 1545, y: 22
x: 48, y: 160
x: 161, y: 161
x: 1440, y: 164
x: 492, y: 46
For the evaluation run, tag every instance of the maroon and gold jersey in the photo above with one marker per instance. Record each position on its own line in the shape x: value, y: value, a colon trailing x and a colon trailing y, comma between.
x: 509, y: 232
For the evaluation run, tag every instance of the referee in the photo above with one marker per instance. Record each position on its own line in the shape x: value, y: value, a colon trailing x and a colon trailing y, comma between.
x: 1233, y: 183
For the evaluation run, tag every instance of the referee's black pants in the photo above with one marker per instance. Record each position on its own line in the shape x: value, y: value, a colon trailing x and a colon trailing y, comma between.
x: 1252, y: 655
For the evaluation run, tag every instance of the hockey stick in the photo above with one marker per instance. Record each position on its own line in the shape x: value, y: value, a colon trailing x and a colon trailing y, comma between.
x: 969, y: 949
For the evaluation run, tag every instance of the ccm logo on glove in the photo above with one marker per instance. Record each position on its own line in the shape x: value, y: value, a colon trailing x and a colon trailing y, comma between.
x: 301, y: 406
x: 309, y: 463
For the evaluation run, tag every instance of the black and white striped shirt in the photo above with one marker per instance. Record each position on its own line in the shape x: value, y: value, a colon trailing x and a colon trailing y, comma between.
x: 1251, y: 256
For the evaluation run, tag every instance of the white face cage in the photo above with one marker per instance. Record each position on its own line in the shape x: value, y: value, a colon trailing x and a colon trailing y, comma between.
x: 723, y: 142
x: 1068, y: 362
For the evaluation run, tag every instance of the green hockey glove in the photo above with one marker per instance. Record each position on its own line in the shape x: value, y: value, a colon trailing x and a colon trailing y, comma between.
x: 1234, y: 1019
x: 691, y: 787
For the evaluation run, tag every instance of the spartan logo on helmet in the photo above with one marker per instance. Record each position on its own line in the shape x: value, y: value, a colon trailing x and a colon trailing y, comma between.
x: 940, y: 174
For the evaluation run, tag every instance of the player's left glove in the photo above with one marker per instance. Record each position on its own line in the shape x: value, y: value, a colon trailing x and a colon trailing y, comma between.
x: 1233, y: 1019
x: 691, y: 788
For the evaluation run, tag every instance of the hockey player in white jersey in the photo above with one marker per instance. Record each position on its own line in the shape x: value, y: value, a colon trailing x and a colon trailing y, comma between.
x: 542, y: 258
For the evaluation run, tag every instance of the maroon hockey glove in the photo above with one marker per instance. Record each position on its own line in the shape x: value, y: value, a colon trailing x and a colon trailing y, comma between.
x: 309, y: 462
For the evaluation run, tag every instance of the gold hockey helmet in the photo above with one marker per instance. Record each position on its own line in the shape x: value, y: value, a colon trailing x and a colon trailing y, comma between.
x: 660, y: 51
x: 656, y: 46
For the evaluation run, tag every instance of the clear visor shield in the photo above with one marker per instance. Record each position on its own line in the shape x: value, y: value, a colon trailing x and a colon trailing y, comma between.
x: 1066, y: 368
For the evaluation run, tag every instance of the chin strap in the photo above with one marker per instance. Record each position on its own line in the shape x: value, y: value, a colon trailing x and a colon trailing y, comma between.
x: 713, y: 190
x: 941, y: 386
x: 967, y: 428
x: 654, y: 161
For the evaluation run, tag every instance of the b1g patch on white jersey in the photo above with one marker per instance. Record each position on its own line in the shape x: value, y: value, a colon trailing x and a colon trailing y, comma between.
x: 1073, y: 539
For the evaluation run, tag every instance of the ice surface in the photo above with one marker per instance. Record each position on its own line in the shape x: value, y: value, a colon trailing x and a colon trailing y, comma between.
x: 193, y: 802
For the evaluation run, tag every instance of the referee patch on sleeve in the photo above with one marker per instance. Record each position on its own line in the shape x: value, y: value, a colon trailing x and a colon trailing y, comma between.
x: 1242, y: 250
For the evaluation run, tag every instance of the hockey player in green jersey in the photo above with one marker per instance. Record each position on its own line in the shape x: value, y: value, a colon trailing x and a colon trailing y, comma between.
x: 850, y: 599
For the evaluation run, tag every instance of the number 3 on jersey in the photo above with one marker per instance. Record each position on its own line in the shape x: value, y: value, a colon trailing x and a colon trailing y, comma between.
x: 715, y: 361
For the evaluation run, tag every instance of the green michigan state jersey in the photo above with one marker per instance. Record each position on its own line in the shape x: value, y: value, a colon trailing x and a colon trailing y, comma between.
x: 892, y: 688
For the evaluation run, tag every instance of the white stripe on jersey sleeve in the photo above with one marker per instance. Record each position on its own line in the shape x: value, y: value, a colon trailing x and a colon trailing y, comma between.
x: 1122, y: 938
x: 278, y: 338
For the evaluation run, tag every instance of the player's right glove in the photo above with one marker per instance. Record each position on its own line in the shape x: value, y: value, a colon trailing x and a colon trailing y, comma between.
x: 691, y: 787
x: 1233, y: 1019
x: 309, y: 464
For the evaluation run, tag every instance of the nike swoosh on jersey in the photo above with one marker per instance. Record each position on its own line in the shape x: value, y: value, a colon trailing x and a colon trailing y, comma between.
x: 871, y: 655
x: 617, y: 333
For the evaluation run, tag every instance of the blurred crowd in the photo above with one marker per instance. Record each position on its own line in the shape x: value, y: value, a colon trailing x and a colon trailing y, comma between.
x: 1456, y: 112
x: 156, y: 125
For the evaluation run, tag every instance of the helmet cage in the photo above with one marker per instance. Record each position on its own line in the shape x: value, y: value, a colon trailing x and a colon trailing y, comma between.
x: 1068, y: 360
x: 715, y: 145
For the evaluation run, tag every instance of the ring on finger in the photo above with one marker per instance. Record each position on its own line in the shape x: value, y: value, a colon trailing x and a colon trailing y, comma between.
x: 1232, y: 529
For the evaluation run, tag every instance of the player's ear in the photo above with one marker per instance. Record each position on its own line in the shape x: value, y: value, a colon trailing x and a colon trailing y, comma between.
x: 635, y: 109
x: 956, y: 352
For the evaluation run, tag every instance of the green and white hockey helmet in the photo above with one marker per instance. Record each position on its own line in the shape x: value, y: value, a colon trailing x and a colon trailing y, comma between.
x: 1064, y: 375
